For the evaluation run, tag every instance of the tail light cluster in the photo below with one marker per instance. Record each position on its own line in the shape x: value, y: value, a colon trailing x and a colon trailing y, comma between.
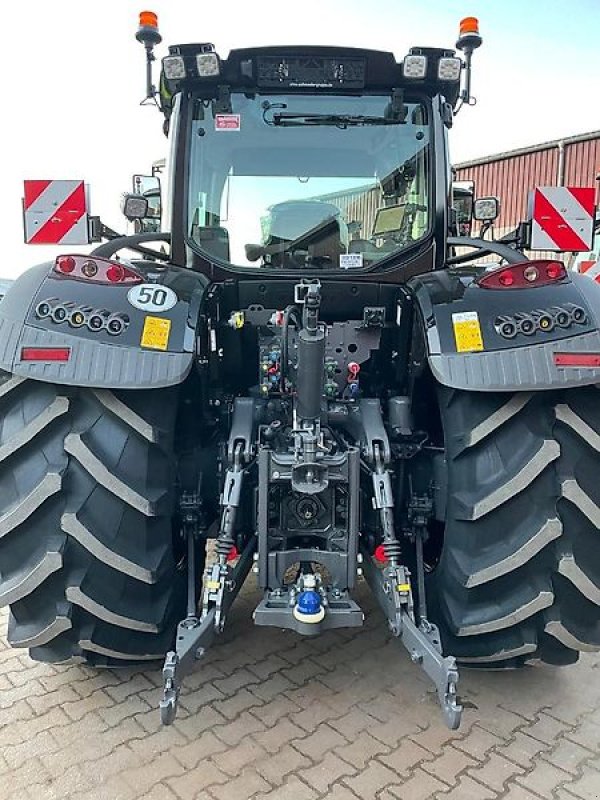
x: 96, y: 270
x: 78, y: 316
x: 544, y: 320
x: 525, y: 274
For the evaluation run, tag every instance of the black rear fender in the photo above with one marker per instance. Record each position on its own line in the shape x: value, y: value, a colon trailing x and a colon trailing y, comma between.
x: 145, y: 348
x: 467, y: 343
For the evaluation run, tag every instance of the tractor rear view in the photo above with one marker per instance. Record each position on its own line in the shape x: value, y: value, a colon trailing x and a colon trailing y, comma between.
x: 311, y: 379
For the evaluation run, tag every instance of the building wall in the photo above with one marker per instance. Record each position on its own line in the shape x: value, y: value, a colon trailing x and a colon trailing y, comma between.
x: 511, y: 176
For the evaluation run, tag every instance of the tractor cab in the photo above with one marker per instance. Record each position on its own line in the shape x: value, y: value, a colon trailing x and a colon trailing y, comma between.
x: 323, y: 159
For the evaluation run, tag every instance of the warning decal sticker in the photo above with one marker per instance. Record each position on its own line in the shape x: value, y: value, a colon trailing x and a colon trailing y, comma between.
x: 227, y: 122
x: 467, y: 332
x: 156, y: 333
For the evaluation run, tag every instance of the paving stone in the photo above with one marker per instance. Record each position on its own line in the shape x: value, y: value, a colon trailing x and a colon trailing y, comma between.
x: 24, y: 730
x: 477, y: 742
x: 468, y: 789
x: 275, y: 768
x: 587, y: 786
x: 271, y: 687
x: 115, y: 714
x: 406, y: 756
x: 292, y: 789
x: 192, y: 781
x: 394, y: 731
x: 92, y: 702
x: 236, y: 681
x: 587, y: 733
x: 241, y: 788
x: 499, y: 721
x: 236, y: 704
x: 339, y: 792
x: 19, y: 781
x: 191, y: 699
x: 362, y: 750
x: 273, y: 739
x: 435, y: 737
x: 134, y: 685
x: 544, y: 778
x: 270, y: 713
x: 235, y: 731
x: 45, y: 700
x: 313, y: 715
x: 420, y: 786
x: 192, y: 754
x: 91, y: 748
x: 304, y: 671
x: 524, y: 750
x: 370, y: 781
x: 268, y: 666
x: 354, y: 722
x: 496, y: 772
x: 159, y: 792
x: 447, y: 766
x: 546, y: 729
x: 158, y: 769
x: 37, y: 746
x: 323, y: 775
x: 114, y: 788
x: 515, y: 792
x: 568, y: 755
x: 193, y: 726
x: 234, y: 759
x: 154, y: 744
x: 320, y: 742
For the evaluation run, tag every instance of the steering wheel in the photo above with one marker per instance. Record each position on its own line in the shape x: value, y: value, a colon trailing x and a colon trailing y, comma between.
x: 485, y: 248
x: 134, y: 242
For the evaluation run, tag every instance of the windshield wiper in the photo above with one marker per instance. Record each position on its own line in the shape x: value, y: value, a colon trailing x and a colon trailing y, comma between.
x: 288, y: 119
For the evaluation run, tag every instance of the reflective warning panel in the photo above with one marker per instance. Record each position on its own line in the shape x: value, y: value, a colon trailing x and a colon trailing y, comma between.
x: 55, y: 212
x: 562, y: 218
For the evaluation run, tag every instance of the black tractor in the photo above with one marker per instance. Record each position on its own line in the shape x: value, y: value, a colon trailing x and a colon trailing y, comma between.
x: 307, y: 382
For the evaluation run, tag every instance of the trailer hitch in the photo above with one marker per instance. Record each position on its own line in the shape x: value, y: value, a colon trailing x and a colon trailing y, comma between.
x: 195, y: 635
x: 391, y: 587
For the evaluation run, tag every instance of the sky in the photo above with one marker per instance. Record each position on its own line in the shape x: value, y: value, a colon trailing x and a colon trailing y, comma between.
x: 74, y: 75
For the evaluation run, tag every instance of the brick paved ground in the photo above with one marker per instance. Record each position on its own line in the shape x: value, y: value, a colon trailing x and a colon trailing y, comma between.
x: 271, y: 715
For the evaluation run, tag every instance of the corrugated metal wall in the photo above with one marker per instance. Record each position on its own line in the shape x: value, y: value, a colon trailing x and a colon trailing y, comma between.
x: 359, y: 206
x: 582, y: 162
x: 511, y: 176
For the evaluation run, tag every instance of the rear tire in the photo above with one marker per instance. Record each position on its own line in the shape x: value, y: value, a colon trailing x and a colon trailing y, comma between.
x: 518, y: 577
x: 87, y: 557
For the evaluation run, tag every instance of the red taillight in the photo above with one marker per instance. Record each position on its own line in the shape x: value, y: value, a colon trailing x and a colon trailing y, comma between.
x: 506, y: 278
x: 524, y: 274
x: 45, y: 353
x: 65, y: 264
x: 555, y: 270
x: 96, y: 270
x: 577, y: 359
x: 115, y: 273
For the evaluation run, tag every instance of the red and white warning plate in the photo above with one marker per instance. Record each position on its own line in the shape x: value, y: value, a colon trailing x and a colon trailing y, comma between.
x: 55, y: 212
x: 562, y: 218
